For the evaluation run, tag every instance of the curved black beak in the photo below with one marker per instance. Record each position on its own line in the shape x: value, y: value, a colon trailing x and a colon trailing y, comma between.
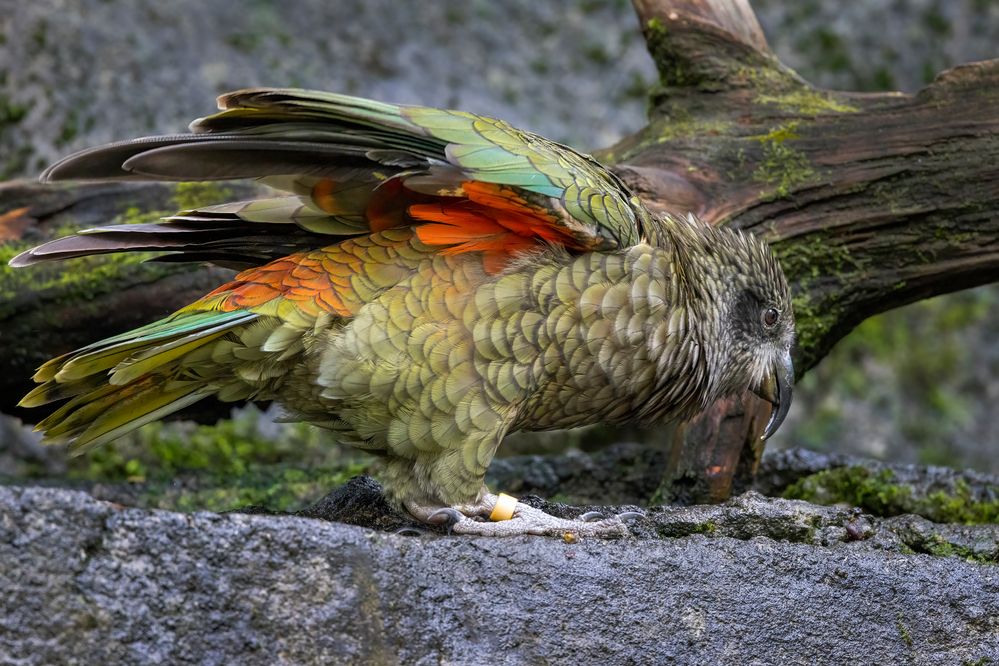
x: 776, y: 388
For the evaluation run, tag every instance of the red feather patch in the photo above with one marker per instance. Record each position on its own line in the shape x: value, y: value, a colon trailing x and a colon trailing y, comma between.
x: 495, y: 220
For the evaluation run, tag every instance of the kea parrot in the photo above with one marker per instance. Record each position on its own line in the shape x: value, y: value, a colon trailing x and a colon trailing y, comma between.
x: 425, y: 282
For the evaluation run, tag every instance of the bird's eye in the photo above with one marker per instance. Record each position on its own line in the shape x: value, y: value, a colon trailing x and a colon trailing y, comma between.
x: 770, y: 317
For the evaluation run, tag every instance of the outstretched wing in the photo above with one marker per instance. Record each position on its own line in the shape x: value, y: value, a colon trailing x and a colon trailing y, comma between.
x: 353, y: 166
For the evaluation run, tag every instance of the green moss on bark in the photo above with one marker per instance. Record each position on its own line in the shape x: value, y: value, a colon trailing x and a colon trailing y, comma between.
x: 781, y: 167
x: 188, y: 196
x: 806, y: 102
x: 75, y: 280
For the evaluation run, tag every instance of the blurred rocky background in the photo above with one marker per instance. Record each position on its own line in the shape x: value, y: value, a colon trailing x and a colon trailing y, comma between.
x: 913, y: 385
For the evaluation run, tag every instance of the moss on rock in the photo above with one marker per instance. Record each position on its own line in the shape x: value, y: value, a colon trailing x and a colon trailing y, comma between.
x: 879, y: 493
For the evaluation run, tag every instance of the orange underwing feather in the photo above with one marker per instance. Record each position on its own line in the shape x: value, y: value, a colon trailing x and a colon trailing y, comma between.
x: 495, y: 220
x: 389, y: 204
x: 324, y: 196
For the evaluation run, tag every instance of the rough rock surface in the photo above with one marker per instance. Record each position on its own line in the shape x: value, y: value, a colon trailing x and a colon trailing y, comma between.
x: 85, y: 581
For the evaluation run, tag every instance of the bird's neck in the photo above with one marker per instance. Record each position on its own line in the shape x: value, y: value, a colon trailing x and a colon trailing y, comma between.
x: 632, y: 336
x: 680, y: 327
x: 700, y: 286
x: 706, y: 285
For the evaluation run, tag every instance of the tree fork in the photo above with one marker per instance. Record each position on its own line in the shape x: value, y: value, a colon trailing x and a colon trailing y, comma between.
x: 871, y: 201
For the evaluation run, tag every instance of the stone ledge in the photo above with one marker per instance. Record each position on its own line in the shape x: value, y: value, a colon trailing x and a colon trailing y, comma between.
x: 86, y: 581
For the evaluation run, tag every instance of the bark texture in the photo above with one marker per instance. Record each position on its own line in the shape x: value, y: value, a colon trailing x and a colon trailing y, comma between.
x: 871, y: 201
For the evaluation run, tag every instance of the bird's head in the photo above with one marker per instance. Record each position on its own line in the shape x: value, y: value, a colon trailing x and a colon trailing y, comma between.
x: 747, y: 292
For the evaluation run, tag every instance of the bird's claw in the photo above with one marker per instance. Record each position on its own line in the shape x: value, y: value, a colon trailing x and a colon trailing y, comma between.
x: 446, y: 516
x: 468, y: 519
x: 410, y: 530
x: 595, y: 516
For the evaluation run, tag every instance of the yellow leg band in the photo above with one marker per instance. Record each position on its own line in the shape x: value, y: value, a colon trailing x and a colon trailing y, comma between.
x: 504, y: 508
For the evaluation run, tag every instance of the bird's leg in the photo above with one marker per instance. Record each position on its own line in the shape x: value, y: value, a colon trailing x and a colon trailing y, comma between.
x: 474, y: 519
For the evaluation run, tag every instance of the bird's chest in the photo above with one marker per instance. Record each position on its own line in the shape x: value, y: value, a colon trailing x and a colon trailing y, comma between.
x: 612, y: 337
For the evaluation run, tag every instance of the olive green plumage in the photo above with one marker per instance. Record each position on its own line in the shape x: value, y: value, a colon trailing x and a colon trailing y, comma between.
x: 429, y: 282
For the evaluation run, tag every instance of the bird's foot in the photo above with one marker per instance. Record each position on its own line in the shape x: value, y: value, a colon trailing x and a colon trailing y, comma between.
x: 473, y: 519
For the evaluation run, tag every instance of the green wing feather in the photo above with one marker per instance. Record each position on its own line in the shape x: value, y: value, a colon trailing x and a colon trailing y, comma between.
x: 484, y: 148
x: 276, y: 133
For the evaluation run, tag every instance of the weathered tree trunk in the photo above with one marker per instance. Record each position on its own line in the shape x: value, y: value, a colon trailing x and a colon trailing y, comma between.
x: 872, y: 201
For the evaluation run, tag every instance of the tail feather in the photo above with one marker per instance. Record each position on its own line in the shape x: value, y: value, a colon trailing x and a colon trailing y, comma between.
x: 152, y: 359
x: 123, y: 382
x: 53, y: 392
x: 135, y: 406
x: 75, y: 414
x: 111, y: 411
x: 105, y: 354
